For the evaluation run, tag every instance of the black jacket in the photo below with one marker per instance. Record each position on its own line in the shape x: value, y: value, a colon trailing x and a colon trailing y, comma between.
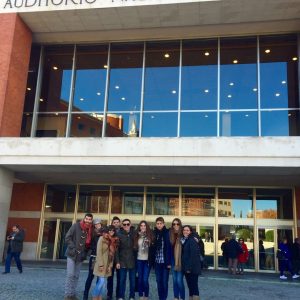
x: 16, y: 244
x: 296, y: 251
x: 167, y: 248
x: 233, y: 249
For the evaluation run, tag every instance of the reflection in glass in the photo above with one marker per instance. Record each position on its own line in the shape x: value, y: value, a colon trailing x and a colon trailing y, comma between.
x: 126, y: 68
x: 48, y: 239
x: 274, y: 204
x: 26, y: 125
x: 123, y: 124
x: 56, y: 82
x: 240, y: 231
x: 86, y: 125
x: 161, y: 76
x: 90, y: 77
x: 162, y: 201
x: 198, y: 202
x: 127, y: 200
x: 207, y: 235
x: 199, y: 74
x: 280, y: 123
x: 60, y: 198
x: 93, y: 198
x: 235, y: 203
x: 61, y: 243
x: 238, y: 73
x: 238, y: 123
x: 279, y: 71
x: 51, y: 125
x: 198, y: 124
x: 160, y: 124
x: 266, y: 249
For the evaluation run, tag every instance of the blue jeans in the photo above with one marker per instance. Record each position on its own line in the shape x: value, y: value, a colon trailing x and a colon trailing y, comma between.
x: 285, y: 264
x: 9, y: 257
x: 123, y: 275
x: 99, y: 289
x: 162, y: 278
x: 110, y: 283
x: 178, y: 285
x: 143, y: 270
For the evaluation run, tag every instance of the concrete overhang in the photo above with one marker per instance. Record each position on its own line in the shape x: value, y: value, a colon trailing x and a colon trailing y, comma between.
x: 192, y: 161
x: 110, y: 20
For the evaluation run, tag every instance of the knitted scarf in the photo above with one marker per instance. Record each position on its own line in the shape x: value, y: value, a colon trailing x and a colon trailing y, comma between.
x: 177, y: 253
x: 88, y: 228
x: 112, y: 243
x: 159, y: 237
x: 145, y: 242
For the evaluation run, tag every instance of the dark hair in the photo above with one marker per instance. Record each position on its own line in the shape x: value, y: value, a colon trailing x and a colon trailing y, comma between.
x: 149, y: 234
x: 115, y: 218
x: 172, y: 231
x: 17, y: 226
x: 241, y: 239
x: 160, y: 219
x: 111, y: 228
x: 88, y: 215
x: 126, y: 220
x: 189, y: 226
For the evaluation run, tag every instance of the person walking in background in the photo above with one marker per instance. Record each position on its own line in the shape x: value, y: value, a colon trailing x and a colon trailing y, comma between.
x: 78, y: 240
x: 125, y: 259
x: 224, y: 252
x: 262, y: 255
x: 15, y: 247
x: 243, y: 257
x: 162, y: 257
x: 284, y: 256
x: 106, y: 249
x: 175, y: 239
x: 296, y: 256
x: 116, y: 222
x: 190, y: 260
x: 143, y: 240
x: 97, y: 232
x: 233, y: 250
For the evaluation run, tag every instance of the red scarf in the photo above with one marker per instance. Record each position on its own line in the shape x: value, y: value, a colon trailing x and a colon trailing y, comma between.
x: 88, y: 228
x: 112, y: 245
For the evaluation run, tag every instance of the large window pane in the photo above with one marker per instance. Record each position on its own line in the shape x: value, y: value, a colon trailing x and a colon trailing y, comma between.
x: 127, y: 200
x: 60, y: 198
x: 160, y: 124
x: 198, y: 201
x: 207, y: 235
x: 91, y: 68
x: 279, y: 71
x: 238, y: 123
x: 93, y: 198
x: 51, y: 125
x: 238, y: 73
x: 162, y: 201
x: 274, y: 204
x: 235, y: 203
x: 161, y: 76
x: 199, y: 74
x: 48, y: 239
x: 198, y: 124
x: 280, y: 123
x: 56, y: 84
x: 126, y: 68
x: 266, y: 249
x: 86, y: 125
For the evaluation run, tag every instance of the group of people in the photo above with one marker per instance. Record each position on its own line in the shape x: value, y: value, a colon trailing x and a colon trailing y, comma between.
x: 120, y: 248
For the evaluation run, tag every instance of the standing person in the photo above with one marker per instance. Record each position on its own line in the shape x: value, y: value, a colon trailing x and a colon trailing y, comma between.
x: 233, y: 250
x: 97, y: 232
x: 162, y: 257
x: 296, y: 256
x: 143, y: 240
x: 15, y: 248
x: 116, y: 222
x: 224, y: 252
x: 78, y: 240
x: 106, y: 249
x: 262, y: 255
x: 243, y: 257
x: 284, y: 256
x: 125, y: 259
x: 190, y: 259
x: 175, y: 239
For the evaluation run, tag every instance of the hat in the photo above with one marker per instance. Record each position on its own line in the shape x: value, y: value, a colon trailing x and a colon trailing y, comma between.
x: 97, y: 221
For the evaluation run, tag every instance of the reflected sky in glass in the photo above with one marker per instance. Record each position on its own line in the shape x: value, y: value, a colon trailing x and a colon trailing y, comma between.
x: 275, y: 123
x: 240, y: 208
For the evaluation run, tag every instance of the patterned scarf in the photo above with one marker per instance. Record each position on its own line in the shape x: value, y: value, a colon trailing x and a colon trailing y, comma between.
x: 88, y: 228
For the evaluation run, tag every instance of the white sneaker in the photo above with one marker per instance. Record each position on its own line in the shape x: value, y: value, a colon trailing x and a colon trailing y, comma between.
x: 283, y: 277
x: 295, y: 276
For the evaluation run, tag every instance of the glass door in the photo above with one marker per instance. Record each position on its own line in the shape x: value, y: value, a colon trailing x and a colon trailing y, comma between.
x: 266, y: 249
x: 64, y: 226
x: 207, y: 235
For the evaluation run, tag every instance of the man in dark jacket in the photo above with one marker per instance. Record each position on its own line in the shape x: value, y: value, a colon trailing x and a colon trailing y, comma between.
x: 15, y: 247
x: 296, y: 256
x: 125, y: 259
x: 233, y: 250
x: 78, y: 240
x: 162, y: 257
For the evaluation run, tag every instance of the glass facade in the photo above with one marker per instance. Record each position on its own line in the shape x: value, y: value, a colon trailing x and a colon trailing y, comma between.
x: 246, y: 86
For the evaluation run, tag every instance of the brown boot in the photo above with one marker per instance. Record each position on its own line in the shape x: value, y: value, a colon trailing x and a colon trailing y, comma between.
x: 196, y: 298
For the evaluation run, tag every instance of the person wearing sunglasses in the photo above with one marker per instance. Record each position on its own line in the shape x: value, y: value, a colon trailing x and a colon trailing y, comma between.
x: 175, y: 239
x: 125, y: 259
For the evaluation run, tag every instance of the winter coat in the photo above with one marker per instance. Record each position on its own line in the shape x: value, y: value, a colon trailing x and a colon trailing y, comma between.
x: 286, y: 253
x: 102, y: 259
x: 243, y: 257
x: 16, y: 244
x: 75, y: 240
x: 296, y: 251
x: 190, y: 258
x: 233, y: 249
x: 126, y: 255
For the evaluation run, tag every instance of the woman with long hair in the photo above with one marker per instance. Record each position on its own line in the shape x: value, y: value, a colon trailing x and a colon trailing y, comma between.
x: 106, y: 248
x: 143, y: 240
x: 175, y: 239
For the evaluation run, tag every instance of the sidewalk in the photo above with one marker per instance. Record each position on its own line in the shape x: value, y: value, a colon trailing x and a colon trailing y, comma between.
x: 45, y: 280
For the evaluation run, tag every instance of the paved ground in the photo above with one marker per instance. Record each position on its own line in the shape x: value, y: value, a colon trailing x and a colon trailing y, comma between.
x: 44, y: 282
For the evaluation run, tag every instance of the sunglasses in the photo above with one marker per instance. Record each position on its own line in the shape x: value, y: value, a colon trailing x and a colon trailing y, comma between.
x: 126, y: 224
x: 175, y: 224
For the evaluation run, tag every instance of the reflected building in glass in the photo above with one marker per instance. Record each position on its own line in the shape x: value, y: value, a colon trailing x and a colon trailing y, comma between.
x: 140, y: 111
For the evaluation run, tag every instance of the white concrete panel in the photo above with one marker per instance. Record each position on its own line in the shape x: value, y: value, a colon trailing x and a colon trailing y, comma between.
x: 29, y: 251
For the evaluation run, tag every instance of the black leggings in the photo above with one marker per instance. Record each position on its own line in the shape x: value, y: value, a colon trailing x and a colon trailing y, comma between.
x: 192, y: 283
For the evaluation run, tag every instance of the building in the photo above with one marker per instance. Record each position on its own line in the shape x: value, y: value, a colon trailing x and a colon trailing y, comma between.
x: 142, y: 108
